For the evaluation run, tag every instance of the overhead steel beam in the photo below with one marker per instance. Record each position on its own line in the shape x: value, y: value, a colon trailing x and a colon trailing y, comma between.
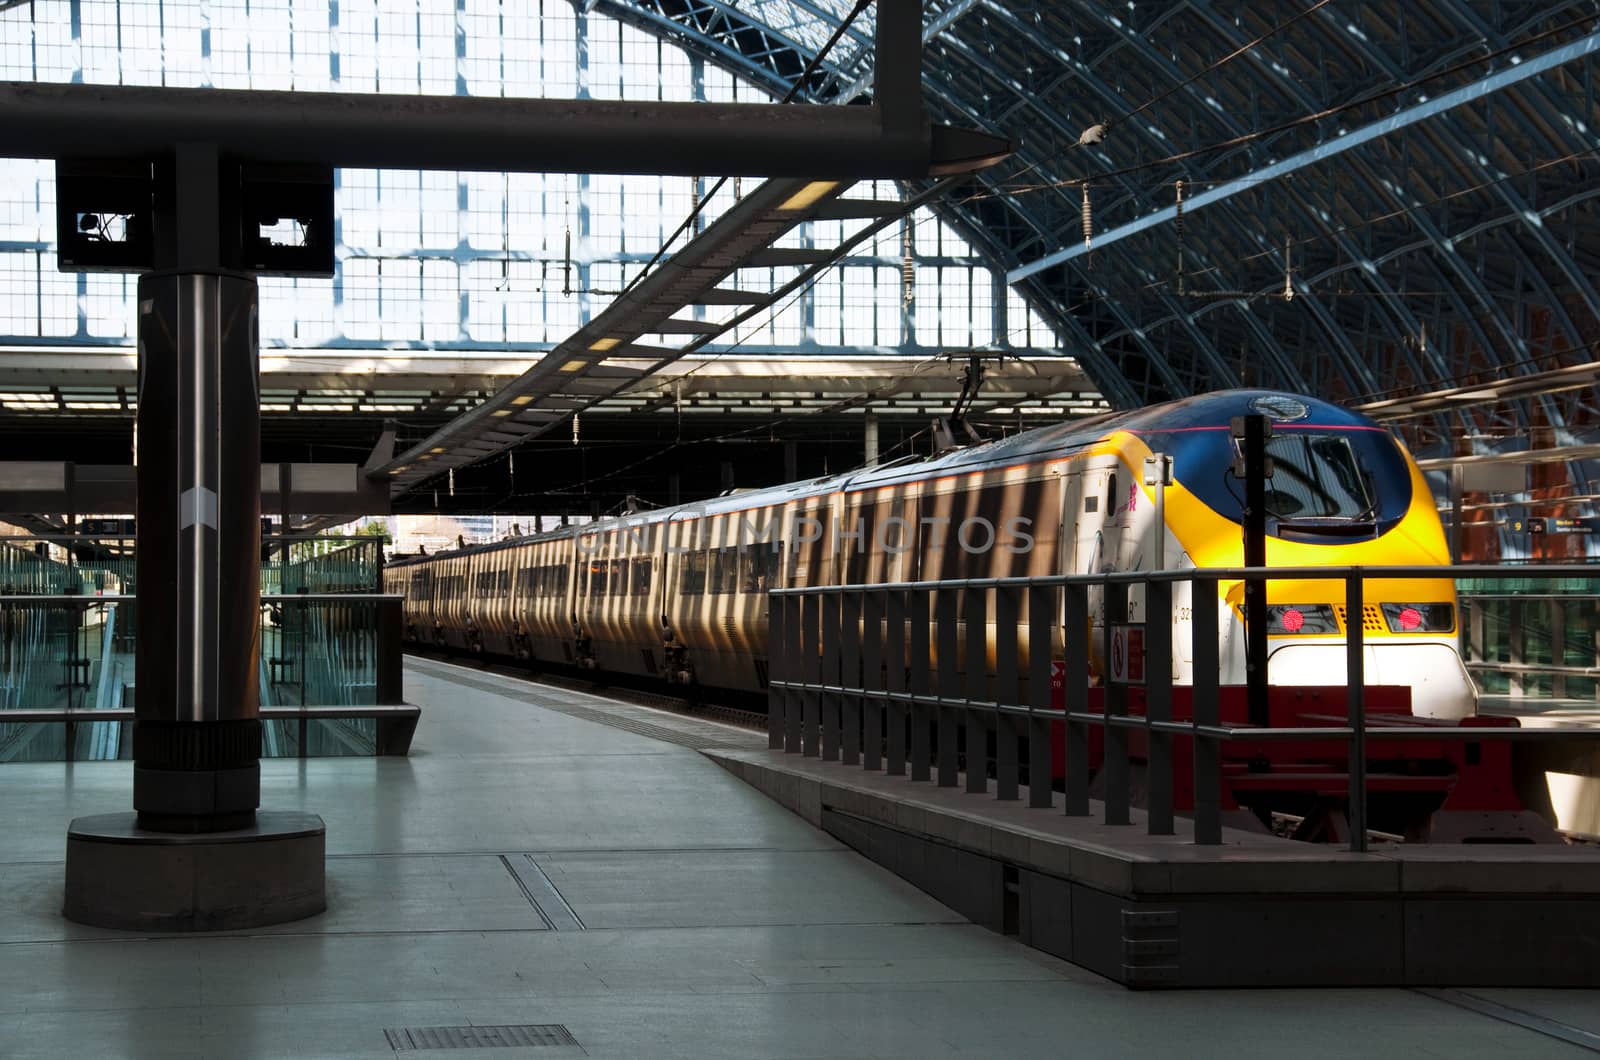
x: 492, y: 135
x: 55, y: 486
x: 1555, y: 381
x: 890, y: 139
x: 606, y: 356
x: 1488, y: 86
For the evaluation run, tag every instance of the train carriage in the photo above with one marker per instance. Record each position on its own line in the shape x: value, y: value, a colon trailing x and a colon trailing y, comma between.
x: 680, y: 594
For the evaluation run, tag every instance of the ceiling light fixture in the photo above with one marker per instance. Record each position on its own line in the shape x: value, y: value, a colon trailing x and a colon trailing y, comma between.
x: 807, y: 196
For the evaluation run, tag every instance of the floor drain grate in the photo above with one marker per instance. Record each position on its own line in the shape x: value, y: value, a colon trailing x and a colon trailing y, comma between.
x: 519, y: 1035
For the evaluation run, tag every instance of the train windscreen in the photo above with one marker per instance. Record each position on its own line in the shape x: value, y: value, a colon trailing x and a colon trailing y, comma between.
x: 1329, y: 481
x: 1317, y: 476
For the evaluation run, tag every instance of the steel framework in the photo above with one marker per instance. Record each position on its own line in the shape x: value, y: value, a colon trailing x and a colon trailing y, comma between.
x: 1422, y: 175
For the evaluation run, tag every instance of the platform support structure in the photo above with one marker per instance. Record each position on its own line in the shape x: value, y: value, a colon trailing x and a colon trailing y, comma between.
x: 1255, y: 467
x: 197, y: 737
x: 195, y: 855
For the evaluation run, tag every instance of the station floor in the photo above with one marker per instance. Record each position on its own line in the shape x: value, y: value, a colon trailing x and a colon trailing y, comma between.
x: 547, y: 858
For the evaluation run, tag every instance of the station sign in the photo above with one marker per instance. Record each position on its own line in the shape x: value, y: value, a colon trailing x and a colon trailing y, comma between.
x: 107, y: 527
x: 1551, y: 525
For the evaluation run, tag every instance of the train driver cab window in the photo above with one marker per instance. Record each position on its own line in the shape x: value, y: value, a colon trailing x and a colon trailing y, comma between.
x: 1111, y: 495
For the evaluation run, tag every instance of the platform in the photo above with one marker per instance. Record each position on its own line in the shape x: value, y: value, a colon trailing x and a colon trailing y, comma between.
x: 578, y: 871
x: 1257, y: 910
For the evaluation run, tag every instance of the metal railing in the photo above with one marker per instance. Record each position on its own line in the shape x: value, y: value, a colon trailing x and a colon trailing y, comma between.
x: 917, y: 716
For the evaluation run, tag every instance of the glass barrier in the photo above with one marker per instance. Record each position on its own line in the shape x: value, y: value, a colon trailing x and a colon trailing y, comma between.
x: 1533, y: 644
x: 68, y: 638
x: 319, y: 651
x: 60, y: 652
x: 322, y: 565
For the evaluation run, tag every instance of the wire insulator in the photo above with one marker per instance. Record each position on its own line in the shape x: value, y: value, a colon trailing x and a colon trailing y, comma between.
x: 1288, y: 272
x: 566, y: 265
x: 1088, y: 222
x: 574, y: 428
x: 452, y: 482
x: 1177, y: 223
x: 738, y: 187
x: 908, y: 267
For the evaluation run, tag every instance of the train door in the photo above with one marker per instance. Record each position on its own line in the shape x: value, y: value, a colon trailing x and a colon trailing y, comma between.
x: 1098, y: 541
x: 1071, y: 516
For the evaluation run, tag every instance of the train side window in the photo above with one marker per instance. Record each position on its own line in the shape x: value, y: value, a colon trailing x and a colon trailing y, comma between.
x: 597, y: 577
x: 761, y: 566
x: 693, y: 581
x: 618, y: 584
x: 725, y: 579
x: 525, y: 581
x: 641, y: 577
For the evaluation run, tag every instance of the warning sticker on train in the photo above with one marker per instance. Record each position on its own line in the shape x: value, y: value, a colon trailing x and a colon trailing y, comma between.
x: 1127, y: 654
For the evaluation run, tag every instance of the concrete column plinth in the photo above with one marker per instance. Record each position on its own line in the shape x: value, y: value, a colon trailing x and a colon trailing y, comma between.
x: 122, y: 876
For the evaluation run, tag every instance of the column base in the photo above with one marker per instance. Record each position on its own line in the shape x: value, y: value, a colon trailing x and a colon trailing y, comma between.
x: 122, y: 876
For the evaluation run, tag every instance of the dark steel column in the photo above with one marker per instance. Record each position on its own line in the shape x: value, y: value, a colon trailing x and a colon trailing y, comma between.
x: 197, y: 738
x: 1254, y: 431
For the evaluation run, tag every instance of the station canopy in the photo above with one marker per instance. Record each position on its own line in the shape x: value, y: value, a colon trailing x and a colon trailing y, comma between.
x: 1390, y: 204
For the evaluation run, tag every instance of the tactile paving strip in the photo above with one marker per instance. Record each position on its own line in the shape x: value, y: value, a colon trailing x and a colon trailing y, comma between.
x: 510, y: 1036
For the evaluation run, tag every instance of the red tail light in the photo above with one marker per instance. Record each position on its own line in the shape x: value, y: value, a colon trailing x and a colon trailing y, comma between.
x: 1420, y: 618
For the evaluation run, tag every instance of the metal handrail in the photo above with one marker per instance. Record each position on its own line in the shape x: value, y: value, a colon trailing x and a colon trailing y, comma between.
x: 1187, y: 728
x: 813, y: 637
x: 1222, y: 574
x: 266, y: 598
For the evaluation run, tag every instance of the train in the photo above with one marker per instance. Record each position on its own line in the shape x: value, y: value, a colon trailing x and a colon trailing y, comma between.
x: 679, y: 594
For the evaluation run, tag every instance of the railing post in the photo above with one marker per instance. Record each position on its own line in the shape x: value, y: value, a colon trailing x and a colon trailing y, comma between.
x: 976, y: 620
x: 1557, y: 610
x: 1006, y: 686
x: 831, y: 701
x: 1207, y: 749
x: 949, y: 688
x: 1356, y: 692
x: 921, y: 681
x: 1158, y: 703
x: 1116, y: 706
x: 894, y: 654
x: 811, y: 668
x: 1517, y: 645
x: 390, y: 654
x: 1041, y: 615
x: 1075, y: 633
x: 777, y: 670
x: 793, y: 670
x: 850, y: 677
x: 871, y: 680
